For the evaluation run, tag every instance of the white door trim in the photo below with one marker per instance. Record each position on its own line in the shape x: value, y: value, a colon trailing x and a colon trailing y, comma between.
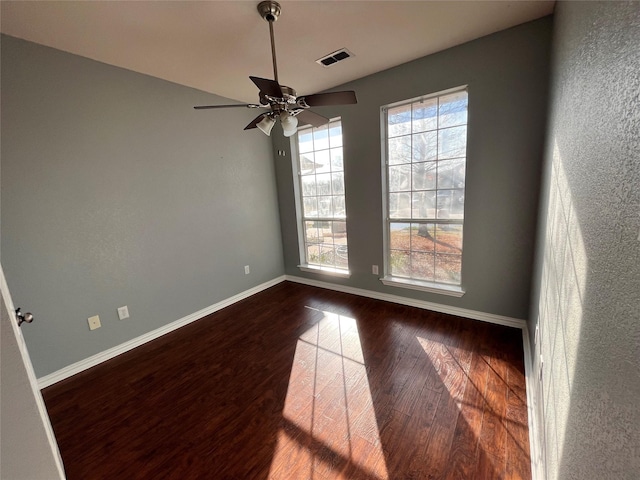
x: 4, y: 289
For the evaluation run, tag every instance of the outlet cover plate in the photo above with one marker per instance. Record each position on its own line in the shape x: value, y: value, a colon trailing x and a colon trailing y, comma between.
x: 123, y: 312
x: 94, y: 322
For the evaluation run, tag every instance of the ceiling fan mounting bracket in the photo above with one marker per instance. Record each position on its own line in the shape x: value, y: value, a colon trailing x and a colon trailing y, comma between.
x: 269, y: 10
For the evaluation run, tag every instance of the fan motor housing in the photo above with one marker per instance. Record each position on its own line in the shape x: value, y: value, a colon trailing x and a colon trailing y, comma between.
x: 288, y: 92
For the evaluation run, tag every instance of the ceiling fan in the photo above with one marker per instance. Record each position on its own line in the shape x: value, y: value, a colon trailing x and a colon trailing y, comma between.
x: 282, y: 101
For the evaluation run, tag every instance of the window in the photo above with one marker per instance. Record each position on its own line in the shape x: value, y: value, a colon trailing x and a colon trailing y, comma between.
x: 426, y: 144
x: 322, y: 212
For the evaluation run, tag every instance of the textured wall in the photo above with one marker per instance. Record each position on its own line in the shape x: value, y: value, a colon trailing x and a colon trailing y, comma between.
x: 507, y: 77
x: 116, y: 192
x: 587, y: 285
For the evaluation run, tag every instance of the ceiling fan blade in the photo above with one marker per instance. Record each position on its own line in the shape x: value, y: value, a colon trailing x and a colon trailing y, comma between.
x: 312, y: 118
x: 270, y: 88
x: 245, y: 105
x: 254, y: 123
x: 331, y: 98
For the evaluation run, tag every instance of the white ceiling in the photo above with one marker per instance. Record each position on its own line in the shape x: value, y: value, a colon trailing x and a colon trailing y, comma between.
x: 215, y: 45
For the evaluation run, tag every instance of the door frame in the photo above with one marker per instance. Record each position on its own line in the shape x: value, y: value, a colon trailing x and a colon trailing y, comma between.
x: 24, y: 353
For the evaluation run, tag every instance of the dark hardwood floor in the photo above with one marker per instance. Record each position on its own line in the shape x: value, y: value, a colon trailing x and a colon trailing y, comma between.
x: 298, y: 382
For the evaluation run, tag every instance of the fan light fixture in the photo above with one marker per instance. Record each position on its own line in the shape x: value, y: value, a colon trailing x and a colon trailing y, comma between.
x: 266, y: 125
x: 289, y: 124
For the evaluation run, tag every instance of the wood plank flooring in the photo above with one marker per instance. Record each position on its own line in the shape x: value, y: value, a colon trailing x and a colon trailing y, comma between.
x: 298, y: 382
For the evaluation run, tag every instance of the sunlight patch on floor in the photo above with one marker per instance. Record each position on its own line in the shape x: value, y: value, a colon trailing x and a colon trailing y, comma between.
x: 451, y: 368
x: 446, y: 365
x: 329, y: 424
x: 477, y: 387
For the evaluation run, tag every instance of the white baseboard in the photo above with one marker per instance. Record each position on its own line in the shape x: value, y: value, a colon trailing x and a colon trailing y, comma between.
x: 532, y: 412
x: 98, y: 358
x: 436, y: 307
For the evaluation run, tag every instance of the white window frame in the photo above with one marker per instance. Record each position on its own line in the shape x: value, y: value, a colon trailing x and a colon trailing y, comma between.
x: 455, y: 290
x: 305, y: 266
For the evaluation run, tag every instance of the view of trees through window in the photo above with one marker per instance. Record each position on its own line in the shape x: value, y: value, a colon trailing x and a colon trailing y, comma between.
x: 426, y: 161
x: 320, y: 166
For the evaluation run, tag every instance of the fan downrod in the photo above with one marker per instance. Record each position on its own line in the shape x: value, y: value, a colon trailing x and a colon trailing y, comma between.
x: 269, y: 10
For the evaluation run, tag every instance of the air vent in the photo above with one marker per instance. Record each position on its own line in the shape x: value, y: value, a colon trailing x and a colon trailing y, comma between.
x: 334, y: 57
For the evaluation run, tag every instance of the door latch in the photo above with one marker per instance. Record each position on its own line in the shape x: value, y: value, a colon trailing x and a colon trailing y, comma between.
x: 23, y: 317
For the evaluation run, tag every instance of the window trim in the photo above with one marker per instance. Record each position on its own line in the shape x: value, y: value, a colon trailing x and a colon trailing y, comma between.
x: 334, y: 272
x: 405, y: 282
x: 297, y: 191
x: 423, y: 286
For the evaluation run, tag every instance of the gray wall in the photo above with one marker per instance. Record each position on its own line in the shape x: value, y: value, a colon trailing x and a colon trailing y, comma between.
x: 587, y: 283
x: 116, y: 192
x: 507, y: 75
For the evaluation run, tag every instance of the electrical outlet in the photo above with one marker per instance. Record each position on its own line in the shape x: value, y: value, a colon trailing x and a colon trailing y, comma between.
x: 123, y: 312
x: 247, y: 270
x: 374, y: 269
x: 94, y: 322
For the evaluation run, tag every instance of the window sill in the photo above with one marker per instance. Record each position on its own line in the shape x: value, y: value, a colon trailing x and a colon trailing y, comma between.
x: 335, y: 272
x: 440, y: 288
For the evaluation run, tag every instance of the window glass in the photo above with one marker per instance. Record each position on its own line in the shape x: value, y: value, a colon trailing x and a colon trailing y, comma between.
x: 426, y: 144
x: 322, y: 190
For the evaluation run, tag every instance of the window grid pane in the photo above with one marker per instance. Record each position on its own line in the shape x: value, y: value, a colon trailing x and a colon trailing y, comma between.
x: 426, y: 163
x: 321, y: 168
